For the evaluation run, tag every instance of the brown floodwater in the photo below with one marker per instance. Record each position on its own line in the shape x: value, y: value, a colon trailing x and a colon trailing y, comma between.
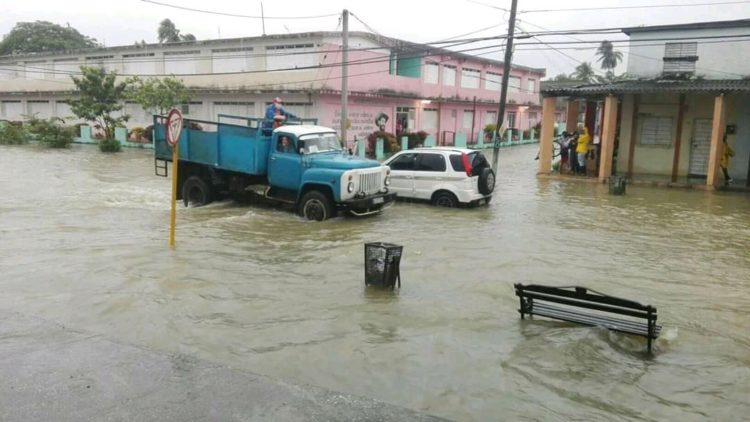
x: 83, y: 241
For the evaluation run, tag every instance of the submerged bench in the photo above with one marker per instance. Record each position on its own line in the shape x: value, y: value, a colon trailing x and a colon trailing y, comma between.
x: 546, y: 300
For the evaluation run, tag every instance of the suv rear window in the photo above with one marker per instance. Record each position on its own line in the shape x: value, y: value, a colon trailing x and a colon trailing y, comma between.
x: 476, y: 158
x: 457, y: 162
x: 430, y: 162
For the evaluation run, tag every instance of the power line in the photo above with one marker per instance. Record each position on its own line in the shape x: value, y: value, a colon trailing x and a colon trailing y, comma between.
x: 234, y: 15
x: 649, y: 6
x: 369, y: 28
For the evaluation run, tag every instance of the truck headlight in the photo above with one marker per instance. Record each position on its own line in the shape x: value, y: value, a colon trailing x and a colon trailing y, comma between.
x: 350, y: 187
x: 387, y: 180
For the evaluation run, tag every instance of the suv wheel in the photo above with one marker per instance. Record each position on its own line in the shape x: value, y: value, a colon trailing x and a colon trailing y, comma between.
x: 486, y: 181
x: 444, y: 199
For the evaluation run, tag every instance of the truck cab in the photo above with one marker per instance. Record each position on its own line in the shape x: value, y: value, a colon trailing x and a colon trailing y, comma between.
x: 303, y: 165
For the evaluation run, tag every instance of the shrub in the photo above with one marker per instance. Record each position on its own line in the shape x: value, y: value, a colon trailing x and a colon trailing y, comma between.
x: 489, y: 130
x: 13, y: 134
x: 50, y: 132
x: 109, y: 145
x: 390, y: 143
x: 136, y: 134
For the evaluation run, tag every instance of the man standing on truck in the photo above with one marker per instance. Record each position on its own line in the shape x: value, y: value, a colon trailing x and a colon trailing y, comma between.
x: 275, y: 116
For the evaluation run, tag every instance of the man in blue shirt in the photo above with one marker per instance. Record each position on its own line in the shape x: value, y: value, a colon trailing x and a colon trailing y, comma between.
x: 275, y: 116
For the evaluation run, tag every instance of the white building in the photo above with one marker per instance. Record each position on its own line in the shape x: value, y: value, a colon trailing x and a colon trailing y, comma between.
x: 420, y: 87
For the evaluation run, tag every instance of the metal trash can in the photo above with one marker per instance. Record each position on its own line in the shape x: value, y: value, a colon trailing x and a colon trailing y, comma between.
x: 382, y: 264
x: 617, y: 185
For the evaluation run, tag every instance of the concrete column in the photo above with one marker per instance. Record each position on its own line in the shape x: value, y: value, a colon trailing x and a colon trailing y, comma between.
x: 717, y: 134
x: 608, y: 137
x: 571, y: 121
x: 548, y: 133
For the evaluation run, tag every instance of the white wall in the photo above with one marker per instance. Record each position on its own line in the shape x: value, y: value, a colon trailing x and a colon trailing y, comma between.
x: 716, y: 60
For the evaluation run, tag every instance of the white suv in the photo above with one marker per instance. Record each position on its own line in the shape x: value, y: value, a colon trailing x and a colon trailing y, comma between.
x: 445, y: 176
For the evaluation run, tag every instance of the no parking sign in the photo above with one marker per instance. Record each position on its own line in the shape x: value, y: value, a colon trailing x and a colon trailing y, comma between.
x: 174, y: 129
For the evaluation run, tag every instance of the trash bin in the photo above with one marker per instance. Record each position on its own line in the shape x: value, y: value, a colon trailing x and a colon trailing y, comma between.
x: 382, y: 264
x: 617, y: 185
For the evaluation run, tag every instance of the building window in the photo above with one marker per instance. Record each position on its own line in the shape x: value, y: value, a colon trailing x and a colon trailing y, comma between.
x: 11, y: 109
x: 431, y: 73
x: 231, y: 60
x: 531, y: 86
x: 103, y: 62
x: 470, y: 78
x: 139, y: 64
x: 468, y: 119
x: 290, y: 57
x: 680, y: 58
x: 181, y: 62
x: 39, y: 108
x: 511, y: 119
x: 36, y: 70
x: 656, y: 131
x: 449, y: 75
x: 514, y: 84
x: 405, y: 119
x: 533, y: 117
x: 408, y: 66
x: 429, y: 119
x: 493, y: 81
x: 9, y: 72
x: 490, y: 118
x: 64, y: 68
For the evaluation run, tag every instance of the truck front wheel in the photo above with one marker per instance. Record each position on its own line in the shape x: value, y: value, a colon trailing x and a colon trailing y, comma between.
x: 196, y: 192
x: 315, y: 205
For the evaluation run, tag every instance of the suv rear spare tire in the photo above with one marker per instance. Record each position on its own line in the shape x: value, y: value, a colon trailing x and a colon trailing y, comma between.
x: 486, y: 181
x: 315, y: 205
x: 196, y: 192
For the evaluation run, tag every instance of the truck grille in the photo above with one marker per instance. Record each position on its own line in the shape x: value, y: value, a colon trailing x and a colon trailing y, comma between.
x: 369, y: 183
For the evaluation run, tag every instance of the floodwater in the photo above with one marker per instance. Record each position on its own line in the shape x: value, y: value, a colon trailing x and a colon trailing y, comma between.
x: 83, y: 241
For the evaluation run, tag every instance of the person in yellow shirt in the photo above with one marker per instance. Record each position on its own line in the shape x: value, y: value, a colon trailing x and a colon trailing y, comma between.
x: 724, y: 163
x: 583, y: 147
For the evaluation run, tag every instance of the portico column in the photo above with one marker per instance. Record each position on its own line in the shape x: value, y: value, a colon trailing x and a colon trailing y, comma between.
x: 608, y: 137
x: 571, y: 121
x: 717, y: 134
x: 548, y: 133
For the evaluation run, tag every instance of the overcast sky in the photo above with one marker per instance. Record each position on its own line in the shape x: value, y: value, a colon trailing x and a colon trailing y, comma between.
x: 126, y: 21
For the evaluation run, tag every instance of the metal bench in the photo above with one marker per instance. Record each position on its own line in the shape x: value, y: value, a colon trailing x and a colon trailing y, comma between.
x: 546, y: 300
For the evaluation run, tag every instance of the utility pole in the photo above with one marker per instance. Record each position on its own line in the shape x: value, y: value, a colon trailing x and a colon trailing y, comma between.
x: 344, y: 75
x: 504, y: 87
x: 263, y: 18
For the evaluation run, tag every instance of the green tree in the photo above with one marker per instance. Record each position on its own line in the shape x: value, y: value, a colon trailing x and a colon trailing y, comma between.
x: 42, y: 36
x: 608, y: 57
x: 584, y: 72
x: 158, y: 95
x: 169, y: 33
x: 98, y: 98
x: 562, y: 77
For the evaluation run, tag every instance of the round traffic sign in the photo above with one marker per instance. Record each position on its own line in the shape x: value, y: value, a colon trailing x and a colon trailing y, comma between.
x: 174, y: 127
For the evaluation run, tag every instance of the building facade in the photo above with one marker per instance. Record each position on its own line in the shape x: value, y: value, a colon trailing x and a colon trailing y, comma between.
x: 690, y: 92
x: 419, y: 87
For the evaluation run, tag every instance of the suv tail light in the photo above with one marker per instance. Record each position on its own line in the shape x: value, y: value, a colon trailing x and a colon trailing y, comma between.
x: 467, y: 164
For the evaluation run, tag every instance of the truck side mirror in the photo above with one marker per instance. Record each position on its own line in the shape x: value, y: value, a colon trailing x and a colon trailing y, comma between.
x: 301, y: 151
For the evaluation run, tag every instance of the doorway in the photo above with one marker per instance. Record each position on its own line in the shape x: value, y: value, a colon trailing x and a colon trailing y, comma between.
x: 700, y: 147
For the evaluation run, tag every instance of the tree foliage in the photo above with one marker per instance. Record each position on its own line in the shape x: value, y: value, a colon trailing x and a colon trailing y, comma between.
x: 608, y: 57
x: 584, y: 72
x: 169, y: 33
x: 158, y: 95
x: 98, y: 98
x: 42, y: 36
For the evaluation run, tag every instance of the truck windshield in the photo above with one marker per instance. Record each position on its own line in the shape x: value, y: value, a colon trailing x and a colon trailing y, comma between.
x: 320, y: 142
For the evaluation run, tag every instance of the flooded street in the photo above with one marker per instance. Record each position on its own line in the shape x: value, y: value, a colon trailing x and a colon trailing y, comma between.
x: 83, y: 241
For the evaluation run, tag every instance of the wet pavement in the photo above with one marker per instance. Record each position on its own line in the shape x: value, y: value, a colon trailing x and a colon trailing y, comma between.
x: 83, y: 243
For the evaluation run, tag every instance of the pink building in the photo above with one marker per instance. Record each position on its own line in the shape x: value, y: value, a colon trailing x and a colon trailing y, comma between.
x: 420, y: 87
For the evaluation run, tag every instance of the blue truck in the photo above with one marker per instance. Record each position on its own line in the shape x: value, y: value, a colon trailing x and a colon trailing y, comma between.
x: 301, y: 164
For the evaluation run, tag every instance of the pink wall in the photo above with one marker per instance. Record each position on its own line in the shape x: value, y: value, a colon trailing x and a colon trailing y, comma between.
x: 373, y: 76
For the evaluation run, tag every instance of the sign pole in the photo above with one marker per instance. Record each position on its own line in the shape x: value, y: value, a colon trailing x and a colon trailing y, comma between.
x: 173, y: 213
x: 174, y: 130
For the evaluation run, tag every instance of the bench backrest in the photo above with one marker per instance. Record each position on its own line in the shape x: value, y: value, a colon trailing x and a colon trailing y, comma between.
x: 585, y: 298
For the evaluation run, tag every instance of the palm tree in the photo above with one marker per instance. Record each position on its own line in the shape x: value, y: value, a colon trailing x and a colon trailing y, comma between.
x: 608, y: 56
x: 584, y: 72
